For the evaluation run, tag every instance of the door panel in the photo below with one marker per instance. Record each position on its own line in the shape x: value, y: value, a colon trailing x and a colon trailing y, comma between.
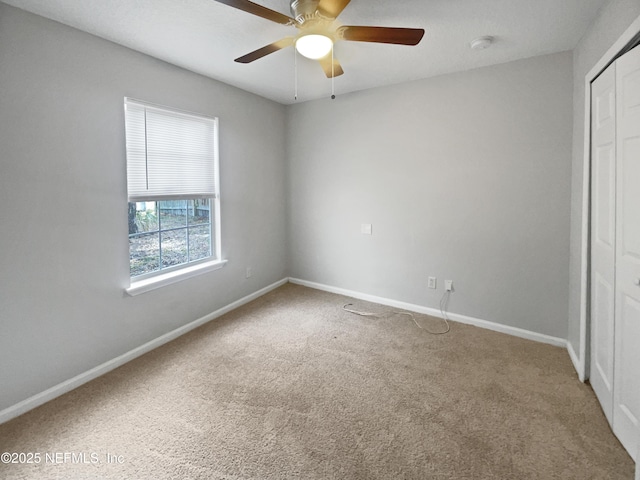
x: 629, y: 376
x: 626, y: 391
x: 604, y: 303
x: 603, y: 225
x: 605, y: 185
x: 630, y: 206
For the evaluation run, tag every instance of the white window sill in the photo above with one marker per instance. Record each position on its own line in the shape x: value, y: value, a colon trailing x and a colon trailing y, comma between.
x: 148, y: 284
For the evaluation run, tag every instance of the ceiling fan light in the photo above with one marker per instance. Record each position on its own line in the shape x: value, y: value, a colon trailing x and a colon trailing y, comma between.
x: 314, y: 46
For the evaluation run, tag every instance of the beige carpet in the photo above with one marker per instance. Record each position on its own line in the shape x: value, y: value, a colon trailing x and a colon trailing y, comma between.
x: 291, y: 386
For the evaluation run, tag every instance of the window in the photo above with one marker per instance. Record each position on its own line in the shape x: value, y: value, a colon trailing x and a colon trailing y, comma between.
x: 168, y: 234
x: 174, y: 203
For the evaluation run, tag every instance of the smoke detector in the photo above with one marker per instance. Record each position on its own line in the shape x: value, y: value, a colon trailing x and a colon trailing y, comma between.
x: 481, y: 43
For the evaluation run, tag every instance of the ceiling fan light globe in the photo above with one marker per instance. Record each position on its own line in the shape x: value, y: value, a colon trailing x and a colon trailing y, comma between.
x: 314, y: 46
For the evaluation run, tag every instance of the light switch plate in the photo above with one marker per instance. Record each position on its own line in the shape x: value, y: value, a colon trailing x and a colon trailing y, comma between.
x: 366, y: 229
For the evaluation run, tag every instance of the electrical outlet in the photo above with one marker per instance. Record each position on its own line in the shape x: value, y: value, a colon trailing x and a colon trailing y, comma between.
x: 448, y: 285
x: 432, y: 282
x: 248, y: 273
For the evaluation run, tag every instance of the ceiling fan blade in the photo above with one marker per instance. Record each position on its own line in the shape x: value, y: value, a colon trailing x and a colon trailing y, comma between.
x: 327, y: 65
x: 332, y: 8
x: 259, y: 10
x: 398, y: 36
x: 264, y: 51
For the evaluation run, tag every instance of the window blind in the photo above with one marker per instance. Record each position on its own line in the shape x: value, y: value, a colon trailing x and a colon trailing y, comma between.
x: 170, y: 155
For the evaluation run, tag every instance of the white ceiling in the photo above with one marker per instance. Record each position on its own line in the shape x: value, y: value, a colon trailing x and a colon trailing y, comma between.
x: 205, y: 37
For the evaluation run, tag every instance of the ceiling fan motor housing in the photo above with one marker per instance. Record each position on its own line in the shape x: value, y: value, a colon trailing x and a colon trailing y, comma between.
x: 304, y: 10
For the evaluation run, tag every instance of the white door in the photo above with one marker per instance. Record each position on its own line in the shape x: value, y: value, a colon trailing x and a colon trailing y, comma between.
x: 603, y: 236
x: 626, y: 391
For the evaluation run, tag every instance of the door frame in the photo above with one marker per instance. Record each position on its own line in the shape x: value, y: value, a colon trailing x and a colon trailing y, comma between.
x: 583, y: 359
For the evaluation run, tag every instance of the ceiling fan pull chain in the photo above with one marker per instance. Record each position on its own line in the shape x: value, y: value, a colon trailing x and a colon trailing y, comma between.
x: 333, y: 76
x: 295, y: 74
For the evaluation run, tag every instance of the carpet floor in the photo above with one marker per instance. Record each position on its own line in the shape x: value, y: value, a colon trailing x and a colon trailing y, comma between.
x: 290, y: 386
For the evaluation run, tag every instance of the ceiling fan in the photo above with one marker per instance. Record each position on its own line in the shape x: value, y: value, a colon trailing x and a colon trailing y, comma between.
x: 314, y: 19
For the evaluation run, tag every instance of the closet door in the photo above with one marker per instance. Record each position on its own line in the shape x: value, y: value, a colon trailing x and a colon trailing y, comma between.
x: 626, y: 391
x: 603, y: 236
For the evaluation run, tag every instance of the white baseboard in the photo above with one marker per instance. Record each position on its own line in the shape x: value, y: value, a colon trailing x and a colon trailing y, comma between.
x: 68, y: 385
x: 576, y: 362
x: 517, y: 332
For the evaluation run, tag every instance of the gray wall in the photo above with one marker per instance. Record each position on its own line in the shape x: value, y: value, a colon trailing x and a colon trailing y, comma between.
x: 63, y: 203
x: 612, y: 21
x: 464, y: 177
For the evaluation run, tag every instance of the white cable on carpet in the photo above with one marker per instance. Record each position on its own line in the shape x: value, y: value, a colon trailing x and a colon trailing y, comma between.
x: 443, y: 307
